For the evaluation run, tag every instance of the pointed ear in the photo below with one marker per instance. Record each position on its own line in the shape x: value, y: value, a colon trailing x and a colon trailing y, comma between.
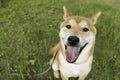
x: 66, y: 13
x: 95, y: 17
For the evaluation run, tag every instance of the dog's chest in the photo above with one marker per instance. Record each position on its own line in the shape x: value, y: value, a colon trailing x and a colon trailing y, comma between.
x: 74, y: 70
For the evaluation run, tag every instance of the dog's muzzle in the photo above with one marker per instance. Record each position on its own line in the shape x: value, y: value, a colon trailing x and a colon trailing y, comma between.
x: 72, y: 49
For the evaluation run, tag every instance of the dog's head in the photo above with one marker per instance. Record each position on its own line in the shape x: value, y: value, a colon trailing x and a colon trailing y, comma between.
x: 76, y: 33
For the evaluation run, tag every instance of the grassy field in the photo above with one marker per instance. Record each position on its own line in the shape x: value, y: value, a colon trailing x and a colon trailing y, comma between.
x: 29, y: 28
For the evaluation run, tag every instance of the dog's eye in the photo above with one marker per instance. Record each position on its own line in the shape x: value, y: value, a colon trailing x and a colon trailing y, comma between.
x: 85, y: 29
x: 68, y: 26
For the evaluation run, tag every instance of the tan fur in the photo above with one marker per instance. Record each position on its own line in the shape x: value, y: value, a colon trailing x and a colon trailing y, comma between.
x: 82, y: 66
x: 54, y: 49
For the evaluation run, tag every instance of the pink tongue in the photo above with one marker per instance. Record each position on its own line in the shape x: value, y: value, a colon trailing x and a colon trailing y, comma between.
x: 72, y: 53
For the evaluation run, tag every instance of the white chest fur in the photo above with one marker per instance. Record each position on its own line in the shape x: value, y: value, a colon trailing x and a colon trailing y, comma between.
x: 74, y: 70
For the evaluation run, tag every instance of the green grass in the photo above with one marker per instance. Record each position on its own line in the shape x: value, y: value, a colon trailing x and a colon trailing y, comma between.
x: 29, y: 28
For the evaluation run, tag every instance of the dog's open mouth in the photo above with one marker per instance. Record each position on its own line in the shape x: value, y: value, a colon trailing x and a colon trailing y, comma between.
x: 73, y: 52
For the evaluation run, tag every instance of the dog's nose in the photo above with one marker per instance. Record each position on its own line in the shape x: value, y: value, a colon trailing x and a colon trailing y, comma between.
x: 73, y: 40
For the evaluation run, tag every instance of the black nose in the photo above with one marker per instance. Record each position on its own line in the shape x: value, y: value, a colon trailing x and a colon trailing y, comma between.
x: 73, y: 40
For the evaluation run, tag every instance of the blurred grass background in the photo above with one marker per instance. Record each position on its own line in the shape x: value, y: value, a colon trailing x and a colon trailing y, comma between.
x: 29, y: 28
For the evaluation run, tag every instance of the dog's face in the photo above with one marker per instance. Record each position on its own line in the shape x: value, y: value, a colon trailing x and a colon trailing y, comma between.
x: 76, y: 33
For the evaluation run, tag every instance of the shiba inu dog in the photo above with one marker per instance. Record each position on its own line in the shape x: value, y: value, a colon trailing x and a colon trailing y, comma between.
x: 76, y: 46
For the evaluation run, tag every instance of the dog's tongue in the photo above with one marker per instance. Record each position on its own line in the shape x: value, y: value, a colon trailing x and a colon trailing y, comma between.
x: 72, y: 53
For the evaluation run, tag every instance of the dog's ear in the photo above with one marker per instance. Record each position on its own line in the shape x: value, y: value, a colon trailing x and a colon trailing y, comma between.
x: 95, y: 17
x: 66, y: 13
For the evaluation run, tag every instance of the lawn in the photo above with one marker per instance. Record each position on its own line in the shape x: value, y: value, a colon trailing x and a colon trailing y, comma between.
x: 29, y: 28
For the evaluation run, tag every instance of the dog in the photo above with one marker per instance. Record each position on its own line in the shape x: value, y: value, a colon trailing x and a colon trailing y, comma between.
x: 75, y: 49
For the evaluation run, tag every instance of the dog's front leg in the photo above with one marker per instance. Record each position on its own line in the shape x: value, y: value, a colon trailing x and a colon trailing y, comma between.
x: 55, y: 68
x: 63, y: 77
x: 82, y: 78
x: 56, y: 74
